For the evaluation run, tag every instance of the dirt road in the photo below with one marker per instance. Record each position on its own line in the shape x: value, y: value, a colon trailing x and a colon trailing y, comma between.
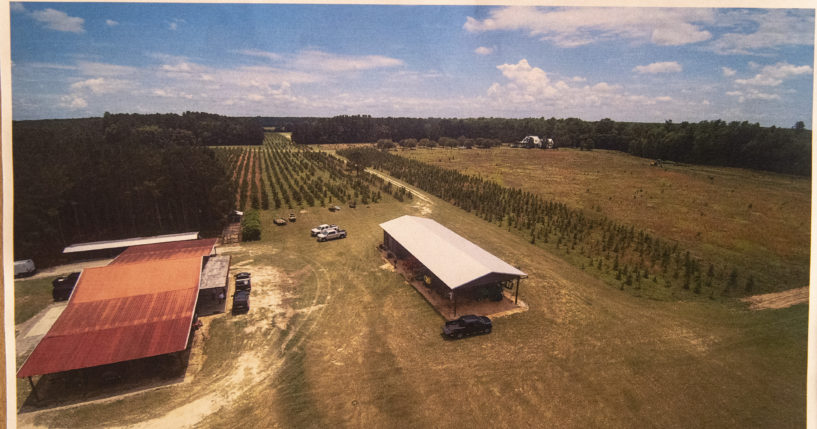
x: 783, y: 299
x: 68, y: 268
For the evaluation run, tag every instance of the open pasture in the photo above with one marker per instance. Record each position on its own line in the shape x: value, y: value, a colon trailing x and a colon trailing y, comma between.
x: 758, y: 222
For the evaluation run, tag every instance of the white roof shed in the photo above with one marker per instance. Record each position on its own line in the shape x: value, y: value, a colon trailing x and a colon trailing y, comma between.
x: 453, y: 259
x: 137, y: 241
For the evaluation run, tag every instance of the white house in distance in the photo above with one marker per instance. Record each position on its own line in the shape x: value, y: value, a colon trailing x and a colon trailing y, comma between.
x: 535, y: 141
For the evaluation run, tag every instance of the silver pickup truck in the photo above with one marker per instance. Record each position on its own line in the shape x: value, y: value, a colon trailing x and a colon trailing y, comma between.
x: 331, y: 234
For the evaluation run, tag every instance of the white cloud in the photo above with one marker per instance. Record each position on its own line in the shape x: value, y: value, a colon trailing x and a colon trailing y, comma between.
x: 752, y: 94
x: 771, y: 29
x: 111, y: 23
x: 324, y: 61
x: 100, y: 85
x: 58, y: 20
x: 482, y: 50
x: 17, y: 7
x: 662, y: 67
x: 581, y: 26
x: 728, y: 72
x: 262, y: 54
x: 774, y: 75
x: 89, y: 68
x: 73, y: 102
x: 174, y: 24
x: 529, y: 89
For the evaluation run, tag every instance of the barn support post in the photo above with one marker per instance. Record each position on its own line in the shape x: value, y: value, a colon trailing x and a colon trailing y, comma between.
x: 516, y: 296
x: 33, y: 389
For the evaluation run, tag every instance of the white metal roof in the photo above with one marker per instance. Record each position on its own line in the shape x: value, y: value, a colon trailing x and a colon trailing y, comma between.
x: 453, y: 259
x: 113, y: 244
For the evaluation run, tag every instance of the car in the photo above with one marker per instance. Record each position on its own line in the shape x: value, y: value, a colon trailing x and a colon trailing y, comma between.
x: 353, y: 204
x: 280, y: 221
x: 467, y: 325
x: 243, y: 275
x: 292, y: 217
x: 334, y: 208
x: 331, y: 234
x: 320, y: 228
x: 241, y: 301
x: 63, y: 286
x: 243, y: 284
x: 24, y: 268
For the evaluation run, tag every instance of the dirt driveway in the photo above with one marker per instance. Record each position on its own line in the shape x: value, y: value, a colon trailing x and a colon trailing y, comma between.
x: 784, y: 299
x: 69, y: 268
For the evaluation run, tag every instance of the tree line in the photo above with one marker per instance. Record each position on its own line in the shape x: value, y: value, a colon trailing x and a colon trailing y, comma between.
x: 206, y: 128
x: 113, y: 177
x: 637, y: 260
x: 733, y: 144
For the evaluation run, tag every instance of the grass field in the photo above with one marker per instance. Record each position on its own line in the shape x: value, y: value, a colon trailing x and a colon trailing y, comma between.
x: 335, y: 340
x: 756, y: 221
x: 30, y: 297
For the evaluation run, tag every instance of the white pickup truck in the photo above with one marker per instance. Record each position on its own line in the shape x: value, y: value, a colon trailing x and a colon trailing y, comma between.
x: 331, y: 234
x: 321, y: 228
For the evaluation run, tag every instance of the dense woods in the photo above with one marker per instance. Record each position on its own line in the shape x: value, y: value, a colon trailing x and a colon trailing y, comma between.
x: 119, y: 176
x: 733, y: 144
x: 638, y: 261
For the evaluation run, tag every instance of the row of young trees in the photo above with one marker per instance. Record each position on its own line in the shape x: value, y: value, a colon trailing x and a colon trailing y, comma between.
x: 281, y: 174
x: 734, y: 144
x: 99, y: 179
x: 636, y: 259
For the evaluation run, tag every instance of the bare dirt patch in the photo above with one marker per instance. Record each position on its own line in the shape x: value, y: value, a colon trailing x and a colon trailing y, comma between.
x: 69, y: 268
x: 777, y: 300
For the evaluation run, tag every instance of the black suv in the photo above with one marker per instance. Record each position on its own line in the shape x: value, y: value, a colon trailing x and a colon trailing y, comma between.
x: 241, y: 301
x: 467, y: 325
x: 63, y: 286
x: 242, y: 281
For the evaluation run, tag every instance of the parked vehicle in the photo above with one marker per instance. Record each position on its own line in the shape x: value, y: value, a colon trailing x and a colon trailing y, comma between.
x: 320, y: 228
x: 353, y: 204
x: 63, y: 286
x: 334, y: 208
x: 243, y: 283
x: 24, y: 268
x: 467, y: 325
x: 280, y: 221
x: 332, y: 234
x: 241, y: 301
x: 292, y: 217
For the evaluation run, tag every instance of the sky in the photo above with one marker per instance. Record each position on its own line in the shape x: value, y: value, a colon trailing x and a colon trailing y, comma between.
x: 627, y: 64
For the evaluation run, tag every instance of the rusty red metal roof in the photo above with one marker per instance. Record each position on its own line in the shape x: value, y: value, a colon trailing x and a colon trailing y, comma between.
x: 159, y: 251
x: 125, y: 311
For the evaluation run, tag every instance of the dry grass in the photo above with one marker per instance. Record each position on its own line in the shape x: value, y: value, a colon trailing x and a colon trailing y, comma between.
x: 756, y: 221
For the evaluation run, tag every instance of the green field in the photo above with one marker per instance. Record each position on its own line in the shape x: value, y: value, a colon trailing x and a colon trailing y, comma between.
x: 756, y: 221
x: 335, y: 340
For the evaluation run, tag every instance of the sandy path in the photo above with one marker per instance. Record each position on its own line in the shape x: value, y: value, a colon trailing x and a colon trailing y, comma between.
x: 775, y: 300
x: 68, y: 268
x: 414, y: 191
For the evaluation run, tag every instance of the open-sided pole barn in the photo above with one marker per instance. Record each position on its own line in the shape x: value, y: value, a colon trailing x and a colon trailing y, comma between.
x: 448, y: 263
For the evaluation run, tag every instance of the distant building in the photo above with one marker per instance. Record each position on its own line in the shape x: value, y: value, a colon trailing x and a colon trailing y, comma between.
x: 531, y: 141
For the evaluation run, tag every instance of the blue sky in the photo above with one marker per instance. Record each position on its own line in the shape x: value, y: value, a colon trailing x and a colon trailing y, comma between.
x: 627, y: 64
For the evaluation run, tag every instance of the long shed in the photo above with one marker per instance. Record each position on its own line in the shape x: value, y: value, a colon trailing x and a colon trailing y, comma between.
x: 454, y: 264
x: 138, y: 306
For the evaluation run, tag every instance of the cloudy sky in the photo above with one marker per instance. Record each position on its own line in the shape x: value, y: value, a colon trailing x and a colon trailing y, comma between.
x: 627, y: 64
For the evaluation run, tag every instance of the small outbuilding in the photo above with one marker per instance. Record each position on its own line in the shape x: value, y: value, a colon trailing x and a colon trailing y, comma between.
x: 447, y: 263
